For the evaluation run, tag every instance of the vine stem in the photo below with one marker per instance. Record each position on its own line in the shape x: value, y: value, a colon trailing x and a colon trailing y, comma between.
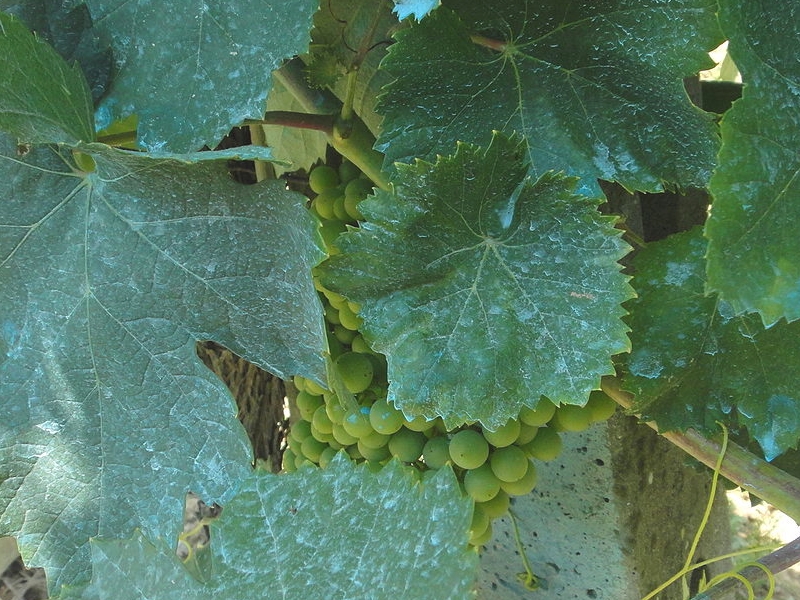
x: 743, y: 468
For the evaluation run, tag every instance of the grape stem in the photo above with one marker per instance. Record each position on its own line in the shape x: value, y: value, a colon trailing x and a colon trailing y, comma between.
x: 743, y: 468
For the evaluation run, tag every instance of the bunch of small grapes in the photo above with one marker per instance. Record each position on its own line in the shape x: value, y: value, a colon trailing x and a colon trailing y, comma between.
x: 492, y: 466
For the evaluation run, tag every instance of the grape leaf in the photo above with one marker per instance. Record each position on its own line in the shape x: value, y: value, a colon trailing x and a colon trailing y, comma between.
x: 67, y: 26
x: 485, y: 290
x: 107, y: 280
x: 694, y: 363
x: 753, y: 245
x: 343, y: 532
x: 593, y: 85
x: 57, y: 108
x: 193, y: 70
x: 418, y: 8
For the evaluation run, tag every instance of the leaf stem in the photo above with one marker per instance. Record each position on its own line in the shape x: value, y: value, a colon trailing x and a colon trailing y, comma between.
x: 743, y: 468
x: 299, y: 120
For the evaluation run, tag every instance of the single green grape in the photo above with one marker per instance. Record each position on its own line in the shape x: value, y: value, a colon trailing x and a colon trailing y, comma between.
x: 349, y: 319
x: 600, y: 406
x: 356, y: 371
x: 540, y: 415
x: 509, y: 463
x: 325, y: 203
x: 343, y: 334
x: 359, y: 344
x: 356, y: 422
x: 334, y: 409
x: 373, y: 454
x: 468, y: 449
x: 321, y: 420
x: 385, y: 418
x: 497, y: 506
x: 480, y: 521
x: 524, y: 485
x: 332, y: 315
x: 545, y: 446
x: 300, y: 430
x: 526, y: 433
x: 407, y: 445
x: 314, y: 388
x: 436, y: 452
x: 325, y: 438
x: 323, y: 177
x: 570, y: 417
x: 481, y: 484
x: 288, y: 461
x: 326, y: 457
x: 307, y: 403
x: 420, y: 423
x: 480, y: 540
x: 505, y: 435
x: 312, y: 448
x: 299, y: 382
x: 374, y: 439
x: 340, y: 435
x: 339, y: 210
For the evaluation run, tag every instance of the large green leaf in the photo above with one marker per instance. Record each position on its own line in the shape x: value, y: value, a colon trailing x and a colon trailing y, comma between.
x: 42, y: 99
x: 485, y: 290
x: 341, y: 532
x: 106, y: 281
x: 694, y: 363
x: 595, y: 87
x: 754, y: 247
x: 192, y: 70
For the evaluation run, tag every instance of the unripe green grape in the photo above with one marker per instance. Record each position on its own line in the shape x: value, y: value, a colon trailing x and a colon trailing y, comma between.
x: 351, y: 208
x: 321, y: 420
x: 484, y: 538
x: 321, y: 436
x: 299, y: 382
x: 540, y: 415
x: 349, y: 319
x: 524, y: 485
x: 288, y: 461
x: 436, y: 452
x: 301, y: 461
x: 358, y: 188
x: 326, y: 457
x: 294, y: 444
x: 374, y: 454
x: 325, y: 204
x: 480, y: 521
x: 307, y: 404
x: 343, y: 334
x: 340, y: 210
x: 374, y: 439
x: 526, y: 434
x: 348, y: 171
x: 340, y: 435
x: 570, y: 418
x: 600, y: 406
x: 314, y: 388
x: 334, y: 409
x: 356, y: 371
x: 385, y: 418
x: 545, y: 446
x: 497, y: 506
x: 359, y: 344
x: 312, y: 448
x: 420, y: 423
x: 334, y: 299
x: 468, y: 449
x: 481, y: 484
x: 332, y: 315
x: 509, y: 463
x: 300, y: 430
x: 356, y: 422
x: 323, y: 178
x: 505, y: 435
x: 353, y: 453
x: 407, y: 445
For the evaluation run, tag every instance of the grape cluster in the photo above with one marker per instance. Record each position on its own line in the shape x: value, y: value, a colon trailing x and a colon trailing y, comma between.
x: 491, y: 466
